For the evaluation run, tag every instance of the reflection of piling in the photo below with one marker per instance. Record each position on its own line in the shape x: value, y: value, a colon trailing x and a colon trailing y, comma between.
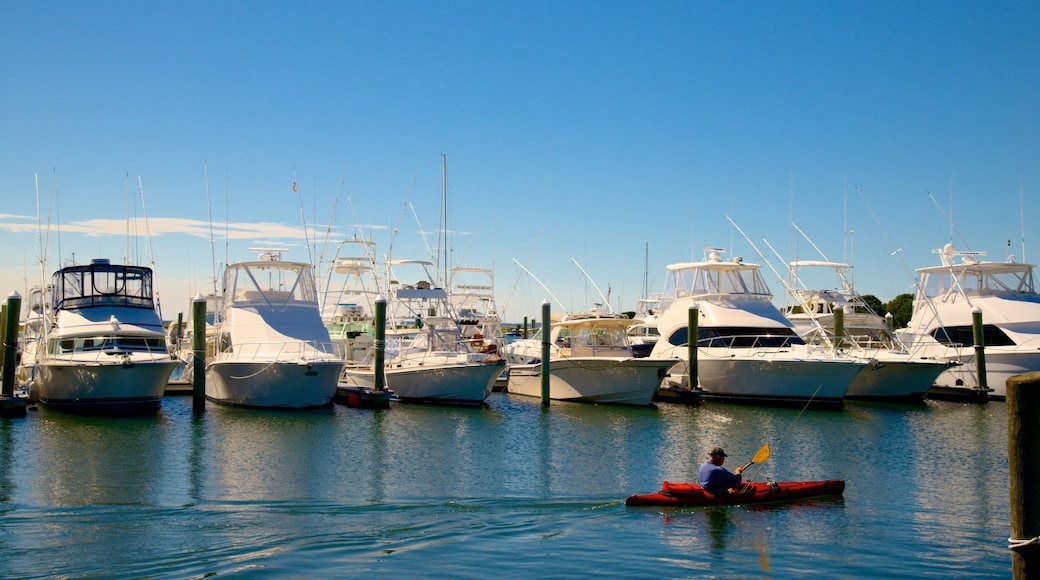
x: 10, y: 406
x: 379, y: 381
x: 198, y: 345
x: 980, y: 347
x: 693, y: 334
x: 1023, y: 404
x: 546, y: 325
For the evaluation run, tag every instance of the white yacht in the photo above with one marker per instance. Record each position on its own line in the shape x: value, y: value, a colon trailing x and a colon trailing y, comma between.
x: 272, y: 350
x: 590, y: 361
x: 894, y: 372
x: 747, y: 351
x: 428, y: 358
x: 104, y: 349
x: 941, y: 324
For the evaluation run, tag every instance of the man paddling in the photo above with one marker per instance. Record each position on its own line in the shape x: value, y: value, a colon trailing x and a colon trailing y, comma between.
x: 716, y: 479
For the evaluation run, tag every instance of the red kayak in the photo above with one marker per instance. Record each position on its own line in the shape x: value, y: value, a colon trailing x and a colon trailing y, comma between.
x: 678, y: 494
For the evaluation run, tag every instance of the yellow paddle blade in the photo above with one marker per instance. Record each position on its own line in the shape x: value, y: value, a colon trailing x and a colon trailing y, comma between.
x: 762, y: 454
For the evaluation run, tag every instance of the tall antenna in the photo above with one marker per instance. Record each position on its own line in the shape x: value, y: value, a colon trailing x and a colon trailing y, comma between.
x: 212, y: 241
x: 444, y: 218
x: 303, y: 217
x: 1022, y: 217
x: 151, y: 246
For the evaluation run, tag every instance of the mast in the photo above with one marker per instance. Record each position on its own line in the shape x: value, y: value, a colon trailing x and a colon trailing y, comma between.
x: 444, y: 218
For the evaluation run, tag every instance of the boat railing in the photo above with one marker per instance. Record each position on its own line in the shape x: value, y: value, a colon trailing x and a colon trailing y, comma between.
x: 289, y: 350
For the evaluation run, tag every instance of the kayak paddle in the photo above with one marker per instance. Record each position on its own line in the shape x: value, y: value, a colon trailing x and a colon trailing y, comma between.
x: 759, y: 457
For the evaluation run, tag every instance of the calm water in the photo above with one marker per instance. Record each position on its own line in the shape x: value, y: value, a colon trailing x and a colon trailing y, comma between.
x: 508, y: 490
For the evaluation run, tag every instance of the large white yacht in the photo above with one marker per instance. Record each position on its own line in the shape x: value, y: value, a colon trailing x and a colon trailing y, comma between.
x: 272, y: 349
x: 104, y: 349
x: 894, y: 372
x: 746, y: 349
x: 941, y: 324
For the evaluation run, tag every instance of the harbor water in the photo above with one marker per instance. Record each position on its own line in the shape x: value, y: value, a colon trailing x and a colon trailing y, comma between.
x: 506, y: 490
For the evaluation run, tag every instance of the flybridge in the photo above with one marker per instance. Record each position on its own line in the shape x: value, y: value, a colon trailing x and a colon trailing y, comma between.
x: 101, y: 283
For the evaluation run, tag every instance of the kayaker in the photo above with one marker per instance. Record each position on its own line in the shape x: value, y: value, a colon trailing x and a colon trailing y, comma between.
x: 716, y: 479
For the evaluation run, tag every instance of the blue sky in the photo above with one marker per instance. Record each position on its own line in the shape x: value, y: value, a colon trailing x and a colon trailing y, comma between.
x: 594, y: 131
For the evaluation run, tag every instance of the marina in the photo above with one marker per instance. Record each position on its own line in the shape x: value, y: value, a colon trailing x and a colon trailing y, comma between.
x: 510, y: 487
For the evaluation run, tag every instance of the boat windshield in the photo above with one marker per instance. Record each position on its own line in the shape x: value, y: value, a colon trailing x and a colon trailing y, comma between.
x: 103, y: 284
x: 718, y: 279
x: 273, y: 283
x: 988, y: 278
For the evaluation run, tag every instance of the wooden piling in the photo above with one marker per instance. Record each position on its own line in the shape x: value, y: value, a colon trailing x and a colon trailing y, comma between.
x: 693, y: 334
x: 980, y: 347
x: 839, y: 326
x: 546, y: 326
x: 198, y: 344
x: 379, y: 352
x: 10, y: 406
x: 1023, y: 405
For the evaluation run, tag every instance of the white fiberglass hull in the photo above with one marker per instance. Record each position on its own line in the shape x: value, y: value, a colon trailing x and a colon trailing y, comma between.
x: 455, y: 383
x: 775, y: 380
x: 895, y: 379
x: 622, y: 381
x: 267, y: 384
x: 1001, y: 364
x: 101, y: 387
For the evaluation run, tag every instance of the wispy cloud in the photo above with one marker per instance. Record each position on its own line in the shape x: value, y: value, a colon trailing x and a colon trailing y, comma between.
x: 166, y: 226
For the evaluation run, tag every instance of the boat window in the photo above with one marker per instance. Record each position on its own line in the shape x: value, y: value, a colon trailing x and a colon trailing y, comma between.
x: 964, y: 336
x: 723, y: 337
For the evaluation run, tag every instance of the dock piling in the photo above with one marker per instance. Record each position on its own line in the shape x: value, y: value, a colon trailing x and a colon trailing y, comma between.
x: 980, y: 347
x: 198, y: 344
x: 10, y: 406
x: 693, y: 334
x: 546, y: 325
x: 1023, y: 404
x: 379, y: 381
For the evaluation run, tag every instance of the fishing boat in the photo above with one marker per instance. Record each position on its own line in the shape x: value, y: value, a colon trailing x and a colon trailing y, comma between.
x: 349, y: 290
x: 691, y: 494
x: 590, y: 361
x: 471, y: 291
x: 893, y: 372
x: 746, y: 350
x: 428, y: 357
x: 104, y: 349
x: 272, y: 350
x: 941, y: 323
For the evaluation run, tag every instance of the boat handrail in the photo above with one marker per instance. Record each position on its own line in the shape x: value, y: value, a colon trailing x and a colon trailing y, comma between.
x: 299, y: 350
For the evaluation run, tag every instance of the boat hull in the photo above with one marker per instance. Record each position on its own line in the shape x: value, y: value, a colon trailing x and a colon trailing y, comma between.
x: 1001, y: 365
x: 453, y: 384
x: 895, y: 380
x: 687, y: 494
x: 774, y: 380
x: 93, y: 387
x: 268, y: 384
x: 620, y: 381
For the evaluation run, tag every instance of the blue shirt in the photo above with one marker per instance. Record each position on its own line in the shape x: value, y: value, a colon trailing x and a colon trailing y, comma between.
x: 716, y: 479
